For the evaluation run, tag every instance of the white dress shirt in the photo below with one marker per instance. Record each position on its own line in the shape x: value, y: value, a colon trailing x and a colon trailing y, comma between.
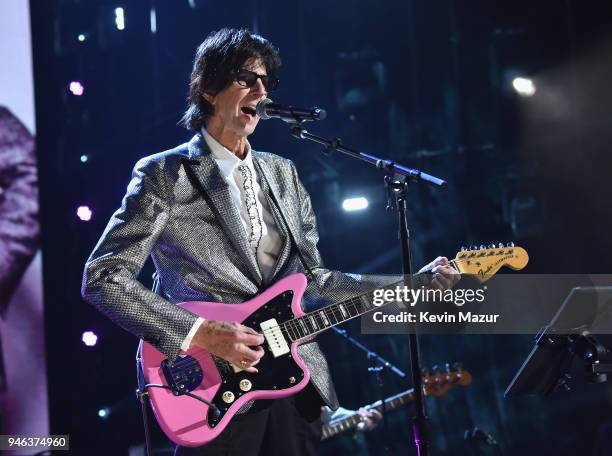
x: 270, y: 244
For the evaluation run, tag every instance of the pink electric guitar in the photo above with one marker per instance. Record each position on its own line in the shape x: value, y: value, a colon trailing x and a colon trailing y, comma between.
x: 196, y: 397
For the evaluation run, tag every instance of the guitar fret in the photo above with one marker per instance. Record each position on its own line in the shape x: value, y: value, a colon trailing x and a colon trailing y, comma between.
x: 289, y: 330
x: 304, y: 323
x: 331, y: 314
x: 303, y: 326
x: 319, y: 320
x: 313, y: 322
x: 295, y: 328
x: 324, y: 318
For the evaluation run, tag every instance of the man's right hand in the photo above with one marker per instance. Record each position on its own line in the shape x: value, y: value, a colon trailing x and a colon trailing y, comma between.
x: 236, y: 343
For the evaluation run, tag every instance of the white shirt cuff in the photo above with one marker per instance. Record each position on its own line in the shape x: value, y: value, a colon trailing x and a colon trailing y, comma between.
x: 192, y: 332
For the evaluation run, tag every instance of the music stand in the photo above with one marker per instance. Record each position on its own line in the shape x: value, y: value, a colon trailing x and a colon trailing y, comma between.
x: 568, y: 336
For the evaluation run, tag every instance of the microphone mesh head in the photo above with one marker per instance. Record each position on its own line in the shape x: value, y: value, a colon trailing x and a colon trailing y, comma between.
x: 260, y: 109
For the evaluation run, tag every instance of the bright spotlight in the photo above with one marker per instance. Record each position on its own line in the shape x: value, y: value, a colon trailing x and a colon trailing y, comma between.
x: 82, y: 37
x: 89, y: 338
x: 354, y: 204
x: 103, y: 413
x: 120, y: 18
x: 84, y: 158
x: 524, y: 86
x: 153, y: 18
x: 76, y: 88
x: 84, y: 213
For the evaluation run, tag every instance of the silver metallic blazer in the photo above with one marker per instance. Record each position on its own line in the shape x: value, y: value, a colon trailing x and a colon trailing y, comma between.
x: 201, y: 250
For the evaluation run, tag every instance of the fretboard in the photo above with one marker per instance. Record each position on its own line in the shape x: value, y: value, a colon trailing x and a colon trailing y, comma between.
x: 351, y: 421
x: 335, y: 314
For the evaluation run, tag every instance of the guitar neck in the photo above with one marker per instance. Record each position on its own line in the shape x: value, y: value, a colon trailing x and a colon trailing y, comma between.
x: 335, y: 314
x: 351, y: 421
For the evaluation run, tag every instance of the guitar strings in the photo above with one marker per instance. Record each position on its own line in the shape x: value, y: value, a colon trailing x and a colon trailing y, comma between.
x: 294, y: 325
x: 330, y: 311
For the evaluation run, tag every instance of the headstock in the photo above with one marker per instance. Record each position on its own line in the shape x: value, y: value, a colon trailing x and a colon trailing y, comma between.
x: 483, y: 262
x: 437, y: 383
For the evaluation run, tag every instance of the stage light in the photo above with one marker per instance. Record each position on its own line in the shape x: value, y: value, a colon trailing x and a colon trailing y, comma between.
x: 103, y: 413
x: 76, y: 88
x: 84, y: 213
x: 153, y: 16
x: 120, y: 18
x: 84, y: 158
x: 82, y: 37
x: 89, y: 338
x: 524, y: 86
x: 354, y: 204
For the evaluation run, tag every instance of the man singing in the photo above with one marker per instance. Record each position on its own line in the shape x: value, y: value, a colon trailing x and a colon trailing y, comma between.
x: 222, y: 222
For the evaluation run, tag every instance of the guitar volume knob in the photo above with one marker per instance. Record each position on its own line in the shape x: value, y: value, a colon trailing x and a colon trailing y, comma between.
x: 228, y: 397
x: 245, y: 385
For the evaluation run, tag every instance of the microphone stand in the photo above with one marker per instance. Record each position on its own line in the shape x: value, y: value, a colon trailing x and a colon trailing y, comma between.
x: 397, y: 178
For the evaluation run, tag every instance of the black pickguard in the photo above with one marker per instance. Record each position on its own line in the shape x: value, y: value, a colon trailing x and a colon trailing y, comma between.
x: 274, y: 373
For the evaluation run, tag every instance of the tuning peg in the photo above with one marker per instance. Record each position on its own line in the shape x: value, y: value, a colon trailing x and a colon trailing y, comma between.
x: 457, y: 366
x: 510, y: 244
x: 501, y: 245
x: 491, y: 246
x: 474, y: 247
x: 436, y: 371
x: 482, y: 247
x: 463, y: 248
x: 447, y: 368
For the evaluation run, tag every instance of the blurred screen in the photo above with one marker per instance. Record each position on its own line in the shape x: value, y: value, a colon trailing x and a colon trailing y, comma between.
x: 23, y: 383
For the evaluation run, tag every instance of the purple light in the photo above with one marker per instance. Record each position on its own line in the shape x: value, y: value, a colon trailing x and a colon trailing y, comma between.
x: 84, y: 213
x: 76, y: 88
x: 89, y: 338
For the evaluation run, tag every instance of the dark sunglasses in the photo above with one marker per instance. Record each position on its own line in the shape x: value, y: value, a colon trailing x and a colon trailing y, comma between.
x: 247, y: 78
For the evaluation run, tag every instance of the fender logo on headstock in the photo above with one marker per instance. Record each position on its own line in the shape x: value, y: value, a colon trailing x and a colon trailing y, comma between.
x: 491, y: 267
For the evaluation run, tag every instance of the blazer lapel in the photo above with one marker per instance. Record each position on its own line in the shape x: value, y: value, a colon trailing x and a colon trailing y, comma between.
x: 289, y: 213
x: 285, y: 250
x: 217, y: 190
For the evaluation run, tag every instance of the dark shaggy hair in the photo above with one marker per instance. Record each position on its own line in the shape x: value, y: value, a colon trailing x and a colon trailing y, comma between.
x: 217, y: 59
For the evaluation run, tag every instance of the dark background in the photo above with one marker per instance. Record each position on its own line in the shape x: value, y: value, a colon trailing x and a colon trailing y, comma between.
x: 426, y: 83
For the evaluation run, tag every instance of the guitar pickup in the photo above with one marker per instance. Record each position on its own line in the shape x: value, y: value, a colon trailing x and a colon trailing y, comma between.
x: 274, y: 337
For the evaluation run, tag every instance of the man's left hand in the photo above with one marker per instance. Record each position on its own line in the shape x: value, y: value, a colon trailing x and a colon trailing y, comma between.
x: 444, y: 276
x: 369, y: 419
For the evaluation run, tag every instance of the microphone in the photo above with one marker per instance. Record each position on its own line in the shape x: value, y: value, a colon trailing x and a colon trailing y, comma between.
x: 267, y: 109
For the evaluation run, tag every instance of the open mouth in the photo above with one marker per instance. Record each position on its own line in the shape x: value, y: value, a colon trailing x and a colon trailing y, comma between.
x: 248, y: 110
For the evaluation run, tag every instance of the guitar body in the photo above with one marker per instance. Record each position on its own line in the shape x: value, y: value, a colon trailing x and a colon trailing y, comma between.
x: 187, y: 421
